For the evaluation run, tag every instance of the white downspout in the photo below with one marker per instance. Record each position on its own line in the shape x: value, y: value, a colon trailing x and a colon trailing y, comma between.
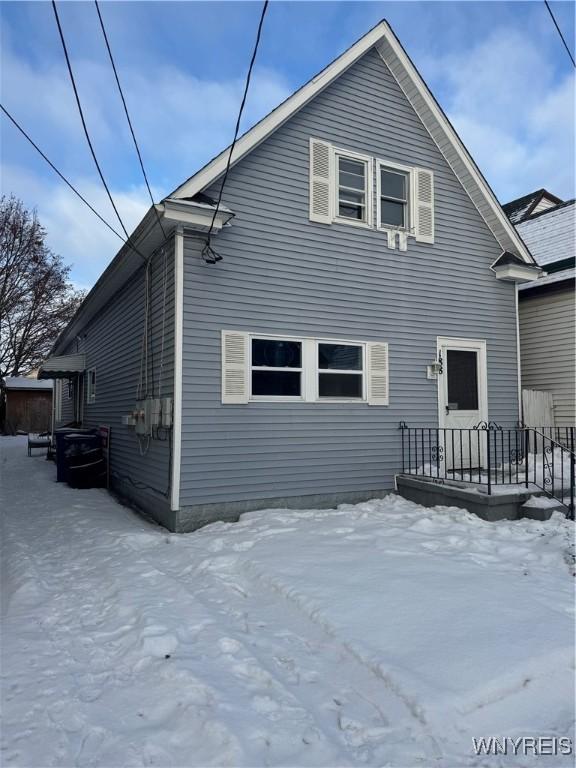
x: 178, y: 340
x: 518, y: 357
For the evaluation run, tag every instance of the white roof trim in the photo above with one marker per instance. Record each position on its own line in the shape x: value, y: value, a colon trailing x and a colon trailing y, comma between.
x: 432, y: 116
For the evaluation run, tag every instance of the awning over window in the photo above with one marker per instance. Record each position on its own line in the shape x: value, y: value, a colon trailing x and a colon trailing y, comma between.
x: 63, y: 366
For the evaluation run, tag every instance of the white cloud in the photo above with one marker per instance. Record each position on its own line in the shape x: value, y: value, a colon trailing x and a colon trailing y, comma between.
x: 513, y: 113
x: 181, y: 121
x: 73, y: 230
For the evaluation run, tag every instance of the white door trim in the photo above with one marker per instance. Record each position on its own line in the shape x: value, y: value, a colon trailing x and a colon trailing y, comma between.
x: 478, y: 345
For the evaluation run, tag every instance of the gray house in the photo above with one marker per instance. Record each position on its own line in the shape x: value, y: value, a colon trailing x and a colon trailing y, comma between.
x: 361, y: 252
x: 546, y: 309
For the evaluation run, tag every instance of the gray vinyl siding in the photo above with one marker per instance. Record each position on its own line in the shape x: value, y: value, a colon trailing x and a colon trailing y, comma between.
x: 112, y: 342
x: 67, y: 409
x: 283, y: 274
x: 548, y: 343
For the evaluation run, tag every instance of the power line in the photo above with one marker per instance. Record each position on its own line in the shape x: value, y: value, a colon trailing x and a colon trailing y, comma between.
x: 208, y: 253
x: 64, y: 179
x: 87, y: 134
x: 560, y: 33
x: 127, y: 114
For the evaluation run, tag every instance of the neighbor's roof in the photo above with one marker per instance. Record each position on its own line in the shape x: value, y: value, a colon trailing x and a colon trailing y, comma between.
x: 383, y: 39
x: 22, y: 382
x: 523, y: 207
x: 550, y: 235
x: 563, y: 275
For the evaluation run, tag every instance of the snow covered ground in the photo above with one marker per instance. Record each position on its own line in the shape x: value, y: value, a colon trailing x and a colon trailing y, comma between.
x: 381, y: 634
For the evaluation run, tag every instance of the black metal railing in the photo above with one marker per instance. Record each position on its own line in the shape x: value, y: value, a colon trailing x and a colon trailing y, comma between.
x: 491, y: 455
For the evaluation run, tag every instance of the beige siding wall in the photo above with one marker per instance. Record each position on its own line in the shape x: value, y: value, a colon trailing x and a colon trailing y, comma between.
x: 547, y: 344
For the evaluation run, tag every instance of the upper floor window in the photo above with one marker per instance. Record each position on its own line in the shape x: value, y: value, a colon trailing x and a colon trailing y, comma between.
x: 344, y: 186
x: 393, y: 198
x: 352, y: 188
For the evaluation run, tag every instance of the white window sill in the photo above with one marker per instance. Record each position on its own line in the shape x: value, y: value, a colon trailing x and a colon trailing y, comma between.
x: 352, y: 222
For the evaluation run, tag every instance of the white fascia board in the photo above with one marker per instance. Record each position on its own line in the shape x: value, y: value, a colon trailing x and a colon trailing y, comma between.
x: 191, y: 216
x: 434, y: 113
x: 516, y: 273
x: 278, y: 116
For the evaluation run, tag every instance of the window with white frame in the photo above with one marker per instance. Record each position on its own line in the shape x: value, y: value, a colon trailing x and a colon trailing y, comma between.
x: 340, y: 370
x: 276, y: 368
x: 393, y: 197
x: 256, y: 367
x: 345, y: 184
x: 352, y: 188
x: 91, y: 385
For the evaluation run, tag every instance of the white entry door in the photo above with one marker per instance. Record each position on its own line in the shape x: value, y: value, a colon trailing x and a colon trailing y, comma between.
x: 462, y: 400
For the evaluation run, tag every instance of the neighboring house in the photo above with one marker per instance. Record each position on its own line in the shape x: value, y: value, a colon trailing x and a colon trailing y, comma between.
x: 362, y: 252
x: 27, y: 404
x: 546, y: 307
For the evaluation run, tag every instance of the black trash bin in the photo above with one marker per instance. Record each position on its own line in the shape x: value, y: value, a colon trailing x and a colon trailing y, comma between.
x: 59, y: 435
x: 84, y: 462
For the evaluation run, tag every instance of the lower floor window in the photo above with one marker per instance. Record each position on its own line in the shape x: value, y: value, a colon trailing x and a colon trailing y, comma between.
x: 340, y: 370
x: 306, y: 369
x: 276, y: 368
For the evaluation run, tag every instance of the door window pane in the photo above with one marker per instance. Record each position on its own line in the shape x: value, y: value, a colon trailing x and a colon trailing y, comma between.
x: 462, y: 380
x: 276, y: 383
x: 276, y: 354
x: 340, y: 357
x: 340, y: 385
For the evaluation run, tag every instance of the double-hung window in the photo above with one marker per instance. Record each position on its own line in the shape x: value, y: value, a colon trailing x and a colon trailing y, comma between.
x: 257, y: 367
x: 276, y: 368
x: 340, y: 370
x: 353, y: 199
x: 393, y: 197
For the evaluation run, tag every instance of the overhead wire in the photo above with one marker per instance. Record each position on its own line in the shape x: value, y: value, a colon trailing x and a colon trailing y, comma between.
x: 86, y: 131
x: 59, y: 173
x: 208, y: 253
x: 560, y: 33
x: 126, y: 112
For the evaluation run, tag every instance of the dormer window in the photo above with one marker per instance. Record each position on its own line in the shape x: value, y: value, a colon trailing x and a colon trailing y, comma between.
x: 393, y: 198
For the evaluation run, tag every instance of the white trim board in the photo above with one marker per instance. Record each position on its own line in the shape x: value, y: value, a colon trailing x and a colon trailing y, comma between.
x: 178, y: 351
x: 423, y: 102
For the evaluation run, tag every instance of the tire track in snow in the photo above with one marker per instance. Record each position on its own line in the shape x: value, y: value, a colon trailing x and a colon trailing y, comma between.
x: 366, y: 732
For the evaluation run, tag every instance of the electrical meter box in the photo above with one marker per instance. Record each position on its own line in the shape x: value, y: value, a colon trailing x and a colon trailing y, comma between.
x: 166, y: 411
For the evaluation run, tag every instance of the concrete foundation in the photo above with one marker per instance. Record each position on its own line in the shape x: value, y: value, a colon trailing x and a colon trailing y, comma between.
x: 508, y: 506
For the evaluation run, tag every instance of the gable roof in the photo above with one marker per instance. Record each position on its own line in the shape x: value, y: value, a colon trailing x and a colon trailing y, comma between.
x: 383, y: 39
x: 551, y: 234
x: 520, y: 209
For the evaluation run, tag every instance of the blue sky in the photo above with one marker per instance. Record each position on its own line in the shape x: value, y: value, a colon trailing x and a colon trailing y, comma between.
x: 498, y: 68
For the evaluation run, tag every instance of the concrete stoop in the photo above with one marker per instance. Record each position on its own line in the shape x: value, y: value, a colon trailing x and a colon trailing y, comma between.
x: 503, y: 506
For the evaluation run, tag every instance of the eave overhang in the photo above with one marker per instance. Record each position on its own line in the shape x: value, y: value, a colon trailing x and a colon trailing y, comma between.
x: 148, y: 237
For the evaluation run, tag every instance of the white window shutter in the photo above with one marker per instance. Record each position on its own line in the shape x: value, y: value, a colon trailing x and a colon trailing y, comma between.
x: 377, y: 373
x: 235, y: 369
x: 321, y: 185
x: 424, y: 205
